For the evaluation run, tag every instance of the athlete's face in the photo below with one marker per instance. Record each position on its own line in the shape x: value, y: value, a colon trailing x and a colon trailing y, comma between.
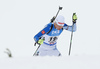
x: 57, y: 26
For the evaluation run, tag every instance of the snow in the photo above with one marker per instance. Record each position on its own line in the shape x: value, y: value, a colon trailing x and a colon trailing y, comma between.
x: 20, y: 20
x: 69, y: 62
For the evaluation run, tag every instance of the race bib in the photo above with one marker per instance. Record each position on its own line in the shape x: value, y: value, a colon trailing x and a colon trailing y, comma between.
x: 52, y: 40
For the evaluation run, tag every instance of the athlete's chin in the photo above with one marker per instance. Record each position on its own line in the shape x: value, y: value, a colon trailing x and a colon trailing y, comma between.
x: 58, y: 29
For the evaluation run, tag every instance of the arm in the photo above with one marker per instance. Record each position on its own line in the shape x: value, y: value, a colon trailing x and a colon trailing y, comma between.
x: 69, y: 28
x: 42, y: 32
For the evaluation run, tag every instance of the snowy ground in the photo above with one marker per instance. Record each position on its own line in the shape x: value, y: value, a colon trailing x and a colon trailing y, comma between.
x: 67, y: 62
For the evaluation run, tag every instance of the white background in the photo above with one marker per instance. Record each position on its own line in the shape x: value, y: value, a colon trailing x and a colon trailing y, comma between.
x: 21, y: 20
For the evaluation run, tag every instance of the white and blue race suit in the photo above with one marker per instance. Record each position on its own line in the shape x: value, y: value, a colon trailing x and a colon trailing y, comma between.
x: 48, y: 48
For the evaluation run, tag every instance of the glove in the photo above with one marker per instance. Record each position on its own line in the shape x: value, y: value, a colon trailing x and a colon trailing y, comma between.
x: 53, y: 19
x: 74, y: 17
x: 40, y: 41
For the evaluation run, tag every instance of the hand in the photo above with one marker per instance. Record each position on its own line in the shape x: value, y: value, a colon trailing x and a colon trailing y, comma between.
x: 40, y: 41
x: 74, y: 17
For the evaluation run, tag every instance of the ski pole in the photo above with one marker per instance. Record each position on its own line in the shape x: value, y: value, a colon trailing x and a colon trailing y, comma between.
x: 40, y: 41
x: 36, y: 51
x: 72, y: 33
x: 71, y: 40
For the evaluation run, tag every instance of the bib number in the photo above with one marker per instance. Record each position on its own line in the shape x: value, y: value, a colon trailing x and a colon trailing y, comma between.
x: 52, y: 40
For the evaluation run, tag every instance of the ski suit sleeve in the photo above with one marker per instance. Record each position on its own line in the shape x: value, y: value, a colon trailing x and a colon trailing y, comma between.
x: 69, y: 28
x: 42, y: 32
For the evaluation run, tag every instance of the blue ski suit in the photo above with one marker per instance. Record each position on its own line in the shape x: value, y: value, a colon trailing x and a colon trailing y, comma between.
x: 48, y: 48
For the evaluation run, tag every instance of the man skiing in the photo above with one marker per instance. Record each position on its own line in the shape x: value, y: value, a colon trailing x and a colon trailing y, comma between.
x: 47, y: 37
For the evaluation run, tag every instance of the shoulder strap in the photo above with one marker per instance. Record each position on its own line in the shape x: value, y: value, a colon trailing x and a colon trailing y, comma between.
x: 50, y: 29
